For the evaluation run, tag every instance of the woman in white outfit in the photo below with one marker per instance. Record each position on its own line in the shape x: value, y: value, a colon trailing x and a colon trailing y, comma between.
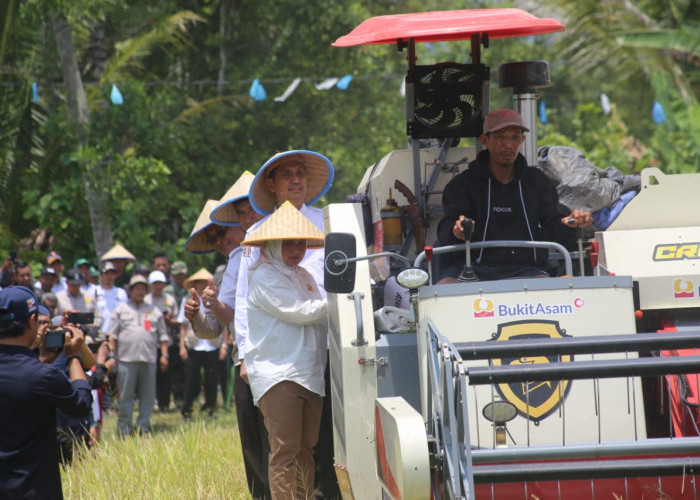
x: 286, y: 350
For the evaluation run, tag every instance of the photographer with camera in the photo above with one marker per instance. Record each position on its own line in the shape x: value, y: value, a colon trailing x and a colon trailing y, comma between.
x: 31, y: 390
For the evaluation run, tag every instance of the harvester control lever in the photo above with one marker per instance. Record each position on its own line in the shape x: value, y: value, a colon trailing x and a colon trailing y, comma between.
x: 468, y: 272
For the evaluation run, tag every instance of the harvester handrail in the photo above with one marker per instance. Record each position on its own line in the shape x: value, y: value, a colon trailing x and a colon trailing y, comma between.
x: 633, y: 342
x: 551, y: 245
x: 578, y: 370
x: 586, y: 469
x: 449, y: 375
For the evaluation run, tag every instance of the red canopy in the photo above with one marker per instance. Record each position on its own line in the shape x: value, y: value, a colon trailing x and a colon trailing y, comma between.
x: 446, y: 25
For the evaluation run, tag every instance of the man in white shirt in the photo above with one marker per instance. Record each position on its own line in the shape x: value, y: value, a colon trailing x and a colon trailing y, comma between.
x: 223, y: 234
x: 108, y: 295
x: 302, y: 178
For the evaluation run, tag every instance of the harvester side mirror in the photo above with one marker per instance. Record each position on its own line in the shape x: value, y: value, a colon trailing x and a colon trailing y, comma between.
x: 339, y: 274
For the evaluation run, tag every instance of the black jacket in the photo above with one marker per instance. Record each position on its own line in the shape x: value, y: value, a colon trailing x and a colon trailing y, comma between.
x: 498, y: 212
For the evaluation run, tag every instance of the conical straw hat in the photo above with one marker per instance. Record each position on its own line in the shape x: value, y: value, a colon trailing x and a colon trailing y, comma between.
x: 118, y: 252
x: 286, y: 223
x: 197, y: 242
x: 319, y: 178
x: 225, y: 212
x: 202, y: 274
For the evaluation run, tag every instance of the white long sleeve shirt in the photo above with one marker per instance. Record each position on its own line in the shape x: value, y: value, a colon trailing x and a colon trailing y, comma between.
x: 312, y: 262
x: 227, y: 290
x: 288, y: 329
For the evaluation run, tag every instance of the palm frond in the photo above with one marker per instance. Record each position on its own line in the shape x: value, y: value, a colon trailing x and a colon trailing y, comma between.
x: 131, y: 52
x: 197, y: 108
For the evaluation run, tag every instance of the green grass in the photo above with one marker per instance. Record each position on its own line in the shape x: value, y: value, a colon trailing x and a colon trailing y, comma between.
x: 201, y: 459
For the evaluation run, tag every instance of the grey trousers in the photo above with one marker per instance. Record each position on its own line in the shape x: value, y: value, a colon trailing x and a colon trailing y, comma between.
x: 135, y: 377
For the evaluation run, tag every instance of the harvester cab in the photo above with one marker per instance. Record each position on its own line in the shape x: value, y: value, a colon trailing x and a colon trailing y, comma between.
x: 520, y: 388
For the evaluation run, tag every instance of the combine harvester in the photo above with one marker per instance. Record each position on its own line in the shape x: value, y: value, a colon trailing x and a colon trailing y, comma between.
x: 577, y: 387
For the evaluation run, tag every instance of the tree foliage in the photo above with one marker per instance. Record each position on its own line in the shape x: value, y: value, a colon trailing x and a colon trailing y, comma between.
x: 188, y: 129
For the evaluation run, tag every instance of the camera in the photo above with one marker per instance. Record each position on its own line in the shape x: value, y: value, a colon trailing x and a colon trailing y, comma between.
x: 94, y: 343
x: 85, y: 318
x: 55, y: 339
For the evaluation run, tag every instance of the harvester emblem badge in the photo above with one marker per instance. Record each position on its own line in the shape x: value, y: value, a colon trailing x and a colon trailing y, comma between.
x: 483, y: 308
x: 683, y: 289
x: 535, y: 400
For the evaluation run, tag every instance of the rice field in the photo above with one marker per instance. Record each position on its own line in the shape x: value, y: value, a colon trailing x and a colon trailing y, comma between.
x: 200, y: 459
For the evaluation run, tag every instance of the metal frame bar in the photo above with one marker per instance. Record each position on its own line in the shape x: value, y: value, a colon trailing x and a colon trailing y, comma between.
x: 551, y: 245
x: 448, y: 379
x: 634, y: 342
x: 595, y: 469
x: 577, y: 370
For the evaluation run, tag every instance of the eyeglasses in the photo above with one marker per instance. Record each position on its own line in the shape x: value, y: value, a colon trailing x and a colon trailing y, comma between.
x: 215, y: 236
x: 288, y: 174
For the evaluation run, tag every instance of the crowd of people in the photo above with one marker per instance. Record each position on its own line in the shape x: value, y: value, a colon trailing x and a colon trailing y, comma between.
x: 138, y: 323
x: 265, y: 312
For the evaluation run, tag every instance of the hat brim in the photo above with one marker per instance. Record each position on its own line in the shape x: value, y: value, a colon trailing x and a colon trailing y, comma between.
x: 201, y: 275
x: 286, y: 223
x: 118, y: 252
x: 319, y: 175
x: 197, y: 241
x: 225, y: 213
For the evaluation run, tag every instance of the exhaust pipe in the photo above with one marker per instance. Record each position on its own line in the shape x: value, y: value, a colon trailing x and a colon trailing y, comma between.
x: 525, y: 77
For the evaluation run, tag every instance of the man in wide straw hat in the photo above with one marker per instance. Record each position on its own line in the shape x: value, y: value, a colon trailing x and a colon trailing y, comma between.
x: 223, y: 235
x: 119, y: 257
x: 301, y: 177
x: 286, y: 347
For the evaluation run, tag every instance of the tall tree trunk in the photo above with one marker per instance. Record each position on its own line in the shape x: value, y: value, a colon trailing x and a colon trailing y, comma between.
x: 223, y: 58
x: 98, y: 204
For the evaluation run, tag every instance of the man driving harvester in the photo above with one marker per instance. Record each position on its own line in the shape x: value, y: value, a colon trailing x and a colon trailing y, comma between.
x: 505, y: 199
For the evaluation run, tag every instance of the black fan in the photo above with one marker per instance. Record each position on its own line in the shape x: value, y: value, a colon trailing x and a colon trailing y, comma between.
x: 445, y: 100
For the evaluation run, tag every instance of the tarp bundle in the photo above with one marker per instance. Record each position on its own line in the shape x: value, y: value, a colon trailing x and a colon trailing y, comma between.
x: 582, y: 185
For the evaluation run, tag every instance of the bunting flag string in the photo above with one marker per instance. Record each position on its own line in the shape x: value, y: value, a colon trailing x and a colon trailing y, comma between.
x: 258, y: 93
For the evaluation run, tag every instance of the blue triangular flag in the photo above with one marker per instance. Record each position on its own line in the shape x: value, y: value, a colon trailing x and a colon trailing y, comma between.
x: 543, y: 112
x: 257, y: 91
x: 657, y: 113
x: 35, y: 92
x: 116, y: 96
x: 344, y: 82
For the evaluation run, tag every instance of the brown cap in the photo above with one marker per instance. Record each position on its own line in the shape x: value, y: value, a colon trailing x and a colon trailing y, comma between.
x: 286, y: 223
x: 499, y: 119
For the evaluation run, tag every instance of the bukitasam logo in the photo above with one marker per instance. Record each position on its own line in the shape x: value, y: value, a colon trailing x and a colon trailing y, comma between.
x: 676, y: 251
x: 683, y: 289
x: 485, y: 308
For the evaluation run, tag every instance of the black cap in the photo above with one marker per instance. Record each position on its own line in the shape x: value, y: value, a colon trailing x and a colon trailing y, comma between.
x: 75, y: 277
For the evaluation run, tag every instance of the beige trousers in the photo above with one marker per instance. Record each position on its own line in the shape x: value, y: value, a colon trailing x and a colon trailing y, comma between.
x: 292, y: 418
